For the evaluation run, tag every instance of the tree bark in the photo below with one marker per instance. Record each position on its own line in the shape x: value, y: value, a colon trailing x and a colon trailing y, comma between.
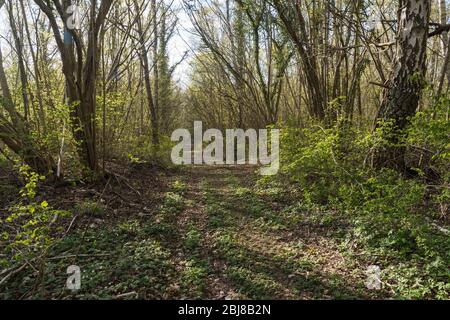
x: 146, y: 70
x: 445, y: 71
x: 296, y: 29
x: 15, y: 132
x: 403, y: 91
x: 80, y: 73
x: 155, y: 121
x: 20, y: 59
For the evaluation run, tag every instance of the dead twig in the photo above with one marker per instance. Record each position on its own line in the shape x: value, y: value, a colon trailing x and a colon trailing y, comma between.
x: 9, y: 275
x: 126, y: 295
x: 79, y: 255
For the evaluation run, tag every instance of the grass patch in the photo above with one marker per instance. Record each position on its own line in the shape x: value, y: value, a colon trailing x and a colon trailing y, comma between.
x: 90, y: 208
x: 192, y: 239
x: 194, y: 278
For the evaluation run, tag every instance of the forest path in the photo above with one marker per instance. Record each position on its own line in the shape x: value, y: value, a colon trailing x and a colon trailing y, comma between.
x: 197, y: 232
x: 235, y: 240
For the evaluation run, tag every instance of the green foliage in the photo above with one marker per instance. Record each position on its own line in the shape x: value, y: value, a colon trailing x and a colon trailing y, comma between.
x: 192, y: 238
x: 179, y: 187
x: 140, y: 150
x: 314, y: 159
x: 90, y: 208
x: 146, y: 254
x: 388, y: 214
x: 254, y: 285
x: 194, y: 276
x: 134, y: 159
x: 430, y: 129
x: 140, y: 264
x: 173, y: 203
x: 28, y: 227
x: 130, y: 227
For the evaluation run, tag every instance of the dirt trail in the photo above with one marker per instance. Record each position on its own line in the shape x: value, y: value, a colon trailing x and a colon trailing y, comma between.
x: 254, y: 246
x: 195, y: 233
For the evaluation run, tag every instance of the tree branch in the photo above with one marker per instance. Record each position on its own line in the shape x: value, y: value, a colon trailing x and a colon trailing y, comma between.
x: 440, y: 29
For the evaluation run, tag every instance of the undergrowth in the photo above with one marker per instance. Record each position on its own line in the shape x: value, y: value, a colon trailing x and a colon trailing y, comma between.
x: 396, y: 221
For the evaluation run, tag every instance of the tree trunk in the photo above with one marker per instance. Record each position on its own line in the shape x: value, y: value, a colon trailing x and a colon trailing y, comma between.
x: 155, y: 120
x: 80, y: 72
x: 15, y: 133
x: 445, y: 72
x: 146, y: 70
x: 20, y: 59
x: 296, y: 29
x: 401, y: 97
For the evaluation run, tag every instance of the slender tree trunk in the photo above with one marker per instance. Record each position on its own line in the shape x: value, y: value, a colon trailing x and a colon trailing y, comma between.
x: 37, y: 76
x: 155, y: 119
x: 20, y: 59
x: 238, y: 37
x: 146, y: 70
x: 15, y: 133
x: 296, y: 29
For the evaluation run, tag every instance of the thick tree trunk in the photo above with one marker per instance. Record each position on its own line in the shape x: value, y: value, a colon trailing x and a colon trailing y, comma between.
x: 443, y: 20
x: 445, y: 72
x: 401, y: 97
x: 80, y: 72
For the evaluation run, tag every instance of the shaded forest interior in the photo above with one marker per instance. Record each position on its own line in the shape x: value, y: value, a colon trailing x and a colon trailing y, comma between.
x: 92, y: 90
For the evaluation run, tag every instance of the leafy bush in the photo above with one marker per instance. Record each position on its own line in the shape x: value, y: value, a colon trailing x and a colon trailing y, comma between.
x: 389, y: 215
x: 430, y: 131
x: 26, y: 230
x: 314, y: 159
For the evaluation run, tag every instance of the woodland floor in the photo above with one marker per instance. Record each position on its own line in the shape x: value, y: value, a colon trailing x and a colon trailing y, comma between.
x: 195, y: 232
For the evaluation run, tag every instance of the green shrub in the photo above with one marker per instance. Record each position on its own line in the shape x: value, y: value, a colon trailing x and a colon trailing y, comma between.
x: 27, y: 229
x: 387, y: 213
